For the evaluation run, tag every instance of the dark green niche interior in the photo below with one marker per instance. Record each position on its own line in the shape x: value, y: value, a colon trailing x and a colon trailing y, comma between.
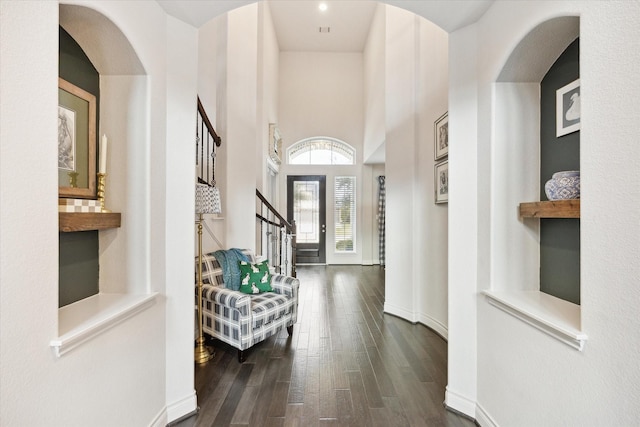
x: 78, y: 262
x: 559, y: 238
x: 79, y: 268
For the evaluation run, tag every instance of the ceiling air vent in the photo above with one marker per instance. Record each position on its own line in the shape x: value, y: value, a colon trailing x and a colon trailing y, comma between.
x: 324, y: 29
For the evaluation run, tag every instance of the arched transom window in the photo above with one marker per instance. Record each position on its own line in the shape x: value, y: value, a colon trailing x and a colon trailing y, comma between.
x: 321, y: 151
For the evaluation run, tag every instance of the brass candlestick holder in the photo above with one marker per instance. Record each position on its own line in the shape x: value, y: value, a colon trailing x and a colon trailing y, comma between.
x: 101, y: 185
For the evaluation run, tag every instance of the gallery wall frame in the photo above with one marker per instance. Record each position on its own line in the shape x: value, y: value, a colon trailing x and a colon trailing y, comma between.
x: 568, y: 108
x: 76, y: 141
x: 441, y: 136
x: 441, y: 179
x: 275, y: 143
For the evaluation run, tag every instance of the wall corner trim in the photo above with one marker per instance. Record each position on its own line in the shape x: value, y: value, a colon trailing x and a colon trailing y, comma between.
x: 459, y: 403
x: 483, y: 418
x: 182, y: 408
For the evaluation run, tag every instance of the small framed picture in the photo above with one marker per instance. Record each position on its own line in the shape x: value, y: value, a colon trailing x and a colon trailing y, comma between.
x: 275, y: 143
x: 76, y: 141
x: 441, y: 137
x: 568, y: 108
x: 442, y: 181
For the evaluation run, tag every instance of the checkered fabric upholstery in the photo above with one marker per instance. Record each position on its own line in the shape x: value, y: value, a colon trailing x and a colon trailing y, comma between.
x: 243, y: 320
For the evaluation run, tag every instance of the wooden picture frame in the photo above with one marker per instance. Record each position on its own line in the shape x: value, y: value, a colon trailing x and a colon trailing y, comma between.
x: 76, y: 141
x: 441, y: 136
x: 441, y: 182
x: 568, y: 108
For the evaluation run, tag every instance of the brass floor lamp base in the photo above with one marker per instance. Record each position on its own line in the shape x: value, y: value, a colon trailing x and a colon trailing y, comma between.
x: 203, y: 354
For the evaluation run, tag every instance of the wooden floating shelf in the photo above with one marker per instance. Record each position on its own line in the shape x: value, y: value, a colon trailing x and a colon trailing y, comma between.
x: 75, y: 221
x: 551, y: 209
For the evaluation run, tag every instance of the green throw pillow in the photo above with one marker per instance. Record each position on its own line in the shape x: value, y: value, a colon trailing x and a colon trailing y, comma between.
x: 255, y: 278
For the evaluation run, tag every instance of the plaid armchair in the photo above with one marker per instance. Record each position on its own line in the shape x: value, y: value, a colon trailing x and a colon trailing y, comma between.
x: 242, y: 320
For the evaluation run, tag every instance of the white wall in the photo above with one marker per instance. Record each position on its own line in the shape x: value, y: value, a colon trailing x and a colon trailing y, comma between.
x: 240, y: 131
x: 400, y: 165
x: 321, y: 94
x: 180, y: 195
x: 463, y: 221
x: 416, y: 82
x: 525, y: 377
x: 212, y: 54
x: 431, y: 219
x: 153, y: 245
x: 374, y: 88
x: 268, y: 94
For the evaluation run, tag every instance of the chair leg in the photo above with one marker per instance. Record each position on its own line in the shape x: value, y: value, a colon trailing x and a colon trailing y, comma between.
x: 290, y: 330
x: 241, y: 356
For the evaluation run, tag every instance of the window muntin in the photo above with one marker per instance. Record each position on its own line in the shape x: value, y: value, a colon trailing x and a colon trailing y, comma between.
x: 321, y: 151
x: 345, y: 213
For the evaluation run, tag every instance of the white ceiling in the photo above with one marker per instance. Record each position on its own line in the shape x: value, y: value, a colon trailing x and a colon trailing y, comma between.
x: 297, y: 22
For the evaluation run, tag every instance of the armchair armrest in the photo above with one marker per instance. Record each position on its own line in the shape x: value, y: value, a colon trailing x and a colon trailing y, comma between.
x: 228, y: 298
x: 285, y: 285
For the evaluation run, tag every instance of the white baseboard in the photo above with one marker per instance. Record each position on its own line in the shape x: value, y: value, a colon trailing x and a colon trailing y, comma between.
x: 400, y: 312
x: 160, y: 420
x: 483, y: 418
x: 460, y: 403
x: 182, y: 407
x: 434, y: 324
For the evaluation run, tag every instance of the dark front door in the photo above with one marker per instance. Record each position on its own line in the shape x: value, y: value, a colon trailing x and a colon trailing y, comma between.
x: 306, y: 204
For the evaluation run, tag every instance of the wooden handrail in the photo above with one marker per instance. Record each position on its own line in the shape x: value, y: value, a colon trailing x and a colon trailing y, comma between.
x: 283, y: 221
x: 208, y: 124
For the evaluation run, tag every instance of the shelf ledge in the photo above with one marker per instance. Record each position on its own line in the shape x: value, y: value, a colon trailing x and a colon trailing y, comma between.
x: 551, y: 209
x: 86, y: 221
x: 553, y: 316
x: 85, y: 319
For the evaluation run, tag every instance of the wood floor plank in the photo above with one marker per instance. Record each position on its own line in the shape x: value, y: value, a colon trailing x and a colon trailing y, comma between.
x: 312, y: 384
x: 416, y: 365
x: 374, y: 399
x: 361, y: 414
x: 327, y: 392
x: 385, y: 385
x: 260, y: 411
x: 228, y: 407
x: 278, y: 396
x: 294, y: 415
x: 298, y: 377
x: 346, y: 364
x: 340, y: 379
x: 396, y: 414
x: 243, y: 411
x: 344, y: 412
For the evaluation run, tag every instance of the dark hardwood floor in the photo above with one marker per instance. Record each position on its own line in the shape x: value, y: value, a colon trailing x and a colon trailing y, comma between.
x: 346, y: 364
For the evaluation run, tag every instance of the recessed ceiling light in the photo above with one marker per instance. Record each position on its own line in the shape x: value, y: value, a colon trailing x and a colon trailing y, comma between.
x: 322, y: 7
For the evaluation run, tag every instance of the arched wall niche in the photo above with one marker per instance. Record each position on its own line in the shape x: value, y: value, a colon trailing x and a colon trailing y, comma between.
x: 104, y: 43
x: 515, y: 154
x: 124, y: 119
x: 515, y: 161
x: 539, y: 49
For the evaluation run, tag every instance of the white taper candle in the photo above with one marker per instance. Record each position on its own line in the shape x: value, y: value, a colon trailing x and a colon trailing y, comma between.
x: 103, y: 155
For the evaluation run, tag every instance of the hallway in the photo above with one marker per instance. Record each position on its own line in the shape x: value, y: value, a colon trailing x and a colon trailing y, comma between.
x: 346, y: 364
